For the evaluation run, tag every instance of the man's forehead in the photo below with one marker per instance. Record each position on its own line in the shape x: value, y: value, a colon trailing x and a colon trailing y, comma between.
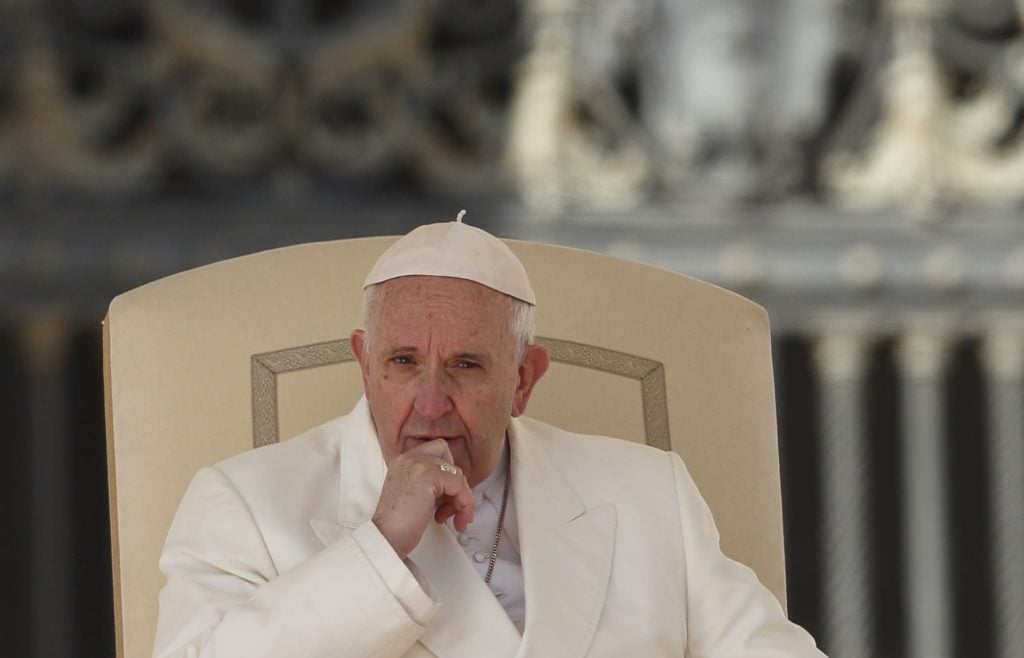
x: 415, y: 311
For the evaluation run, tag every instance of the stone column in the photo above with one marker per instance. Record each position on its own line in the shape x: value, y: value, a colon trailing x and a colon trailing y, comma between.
x: 1003, y: 360
x: 538, y: 113
x: 922, y: 360
x: 45, y: 340
x: 841, y: 357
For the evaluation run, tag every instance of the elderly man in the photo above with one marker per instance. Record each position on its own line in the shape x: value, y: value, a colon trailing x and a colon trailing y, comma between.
x: 434, y: 519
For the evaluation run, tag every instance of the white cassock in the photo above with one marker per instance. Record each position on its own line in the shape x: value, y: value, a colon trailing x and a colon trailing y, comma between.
x: 272, y: 553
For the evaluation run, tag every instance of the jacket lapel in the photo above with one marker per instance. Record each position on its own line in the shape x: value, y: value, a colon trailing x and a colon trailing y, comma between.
x: 470, y: 622
x: 361, y: 473
x: 361, y: 468
x: 566, y: 552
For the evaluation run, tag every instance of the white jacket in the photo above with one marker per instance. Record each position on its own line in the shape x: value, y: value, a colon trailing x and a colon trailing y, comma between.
x: 272, y: 554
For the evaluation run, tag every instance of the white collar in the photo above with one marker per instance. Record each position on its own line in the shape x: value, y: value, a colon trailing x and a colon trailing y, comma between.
x: 493, y: 486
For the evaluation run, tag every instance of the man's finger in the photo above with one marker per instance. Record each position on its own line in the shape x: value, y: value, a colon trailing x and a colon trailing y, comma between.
x: 456, y: 500
x: 436, y: 448
x: 463, y: 514
x: 455, y: 487
x: 444, y: 511
x: 464, y: 517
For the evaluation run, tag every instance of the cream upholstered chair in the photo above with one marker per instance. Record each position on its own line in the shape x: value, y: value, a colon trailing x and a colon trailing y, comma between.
x: 210, y: 362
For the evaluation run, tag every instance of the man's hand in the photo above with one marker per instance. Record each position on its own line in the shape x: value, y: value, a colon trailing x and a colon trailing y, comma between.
x: 415, y: 490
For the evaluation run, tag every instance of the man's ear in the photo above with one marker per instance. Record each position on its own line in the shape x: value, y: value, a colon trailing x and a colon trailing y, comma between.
x: 357, y: 341
x: 533, y: 366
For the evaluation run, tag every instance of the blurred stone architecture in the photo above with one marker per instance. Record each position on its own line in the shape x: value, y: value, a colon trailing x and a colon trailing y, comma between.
x: 857, y: 166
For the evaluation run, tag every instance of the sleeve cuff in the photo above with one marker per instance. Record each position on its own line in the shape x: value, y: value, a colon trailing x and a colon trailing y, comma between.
x: 402, y: 577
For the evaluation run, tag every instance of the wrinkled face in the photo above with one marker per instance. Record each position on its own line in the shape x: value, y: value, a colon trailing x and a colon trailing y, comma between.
x: 440, y: 362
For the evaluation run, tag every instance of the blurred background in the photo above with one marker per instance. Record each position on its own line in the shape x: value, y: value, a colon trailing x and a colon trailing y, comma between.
x: 856, y: 166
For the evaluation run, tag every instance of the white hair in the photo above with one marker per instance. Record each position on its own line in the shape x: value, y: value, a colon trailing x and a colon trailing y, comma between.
x: 522, y: 321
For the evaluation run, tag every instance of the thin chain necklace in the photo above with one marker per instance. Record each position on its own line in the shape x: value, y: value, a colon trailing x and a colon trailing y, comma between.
x: 501, y: 524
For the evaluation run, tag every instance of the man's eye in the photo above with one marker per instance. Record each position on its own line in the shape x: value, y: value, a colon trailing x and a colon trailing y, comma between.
x: 464, y: 365
x: 401, y: 360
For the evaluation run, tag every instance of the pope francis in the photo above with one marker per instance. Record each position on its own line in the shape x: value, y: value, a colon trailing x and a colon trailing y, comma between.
x: 436, y: 520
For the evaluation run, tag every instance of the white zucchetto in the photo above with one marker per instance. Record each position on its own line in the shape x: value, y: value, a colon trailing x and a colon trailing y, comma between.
x: 456, y: 250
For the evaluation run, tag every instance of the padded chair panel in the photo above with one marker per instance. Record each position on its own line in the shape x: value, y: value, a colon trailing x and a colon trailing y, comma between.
x: 200, y: 363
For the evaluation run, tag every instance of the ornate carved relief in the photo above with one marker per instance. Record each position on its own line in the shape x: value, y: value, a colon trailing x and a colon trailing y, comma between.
x: 934, y: 143
x: 598, y: 103
x: 170, y: 91
x: 621, y: 100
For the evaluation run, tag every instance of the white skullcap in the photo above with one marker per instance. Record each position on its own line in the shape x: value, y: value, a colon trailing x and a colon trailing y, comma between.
x: 457, y: 250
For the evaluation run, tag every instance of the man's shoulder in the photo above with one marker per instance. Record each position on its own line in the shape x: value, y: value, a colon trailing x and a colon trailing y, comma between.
x: 313, y: 450
x: 605, y: 469
x: 595, y: 453
x: 577, y: 444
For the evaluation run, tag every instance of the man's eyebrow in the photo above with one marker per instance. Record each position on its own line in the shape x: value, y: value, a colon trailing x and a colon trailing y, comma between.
x: 480, y: 357
x: 473, y: 356
x: 400, y: 349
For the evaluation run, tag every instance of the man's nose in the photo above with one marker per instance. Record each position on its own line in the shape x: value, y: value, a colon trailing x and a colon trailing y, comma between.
x: 432, y: 397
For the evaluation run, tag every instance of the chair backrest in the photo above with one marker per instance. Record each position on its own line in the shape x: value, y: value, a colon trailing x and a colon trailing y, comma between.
x: 210, y: 362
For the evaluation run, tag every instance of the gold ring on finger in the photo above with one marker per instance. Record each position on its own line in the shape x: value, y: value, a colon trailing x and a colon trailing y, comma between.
x: 449, y: 468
